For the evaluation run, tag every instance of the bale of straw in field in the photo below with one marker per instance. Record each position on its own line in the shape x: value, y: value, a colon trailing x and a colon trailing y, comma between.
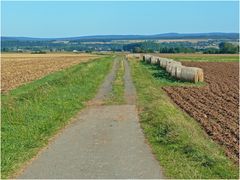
x: 178, y: 70
x: 173, y: 68
x: 147, y: 58
x: 200, y: 75
x: 144, y: 57
x: 171, y: 65
x: 192, y: 74
x: 162, y: 61
x: 154, y: 59
x: 166, y: 62
x: 168, y: 67
x: 158, y: 60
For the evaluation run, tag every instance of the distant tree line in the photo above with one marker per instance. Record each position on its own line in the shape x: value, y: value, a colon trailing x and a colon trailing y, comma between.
x: 165, y: 50
x: 224, y: 48
x: 148, y: 47
x: 139, y: 47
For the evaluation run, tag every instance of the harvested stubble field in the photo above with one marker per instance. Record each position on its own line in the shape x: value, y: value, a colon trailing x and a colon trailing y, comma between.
x: 214, y: 106
x: 18, y: 69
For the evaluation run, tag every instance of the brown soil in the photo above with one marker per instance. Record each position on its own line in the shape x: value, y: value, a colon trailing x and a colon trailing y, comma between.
x: 18, y: 69
x: 214, y: 106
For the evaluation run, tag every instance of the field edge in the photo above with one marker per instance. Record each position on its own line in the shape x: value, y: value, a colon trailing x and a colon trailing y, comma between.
x: 192, y: 158
x: 53, y: 82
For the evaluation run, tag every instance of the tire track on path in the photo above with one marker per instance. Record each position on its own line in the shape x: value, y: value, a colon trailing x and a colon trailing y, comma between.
x: 105, y: 141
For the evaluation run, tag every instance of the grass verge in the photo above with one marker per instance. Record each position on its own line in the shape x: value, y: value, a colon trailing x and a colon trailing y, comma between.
x: 31, y: 114
x: 117, y: 94
x: 182, y: 147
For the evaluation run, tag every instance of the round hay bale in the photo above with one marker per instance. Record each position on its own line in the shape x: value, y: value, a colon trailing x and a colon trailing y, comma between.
x: 147, y: 58
x: 200, y: 74
x: 168, y: 67
x: 158, y: 61
x: 166, y: 62
x: 171, y: 64
x: 174, y: 69
x: 178, y: 70
x: 153, y: 60
x: 161, y: 61
x: 192, y: 74
x: 144, y: 57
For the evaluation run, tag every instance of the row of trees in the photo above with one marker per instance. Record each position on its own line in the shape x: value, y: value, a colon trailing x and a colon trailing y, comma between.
x: 224, y: 48
x: 141, y: 47
x: 165, y: 50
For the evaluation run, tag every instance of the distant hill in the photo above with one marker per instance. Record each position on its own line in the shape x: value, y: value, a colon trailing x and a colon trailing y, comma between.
x: 133, y: 37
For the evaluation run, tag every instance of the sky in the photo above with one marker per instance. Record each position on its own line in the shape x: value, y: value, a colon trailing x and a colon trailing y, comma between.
x: 69, y: 19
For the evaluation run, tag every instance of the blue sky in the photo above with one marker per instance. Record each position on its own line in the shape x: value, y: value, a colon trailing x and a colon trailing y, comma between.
x: 66, y: 19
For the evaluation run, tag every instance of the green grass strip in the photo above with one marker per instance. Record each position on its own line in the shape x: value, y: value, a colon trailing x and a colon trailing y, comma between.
x: 31, y: 114
x: 183, y: 149
x: 117, y: 94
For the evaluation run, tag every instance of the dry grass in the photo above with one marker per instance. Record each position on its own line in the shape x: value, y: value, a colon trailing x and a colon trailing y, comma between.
x: 18, y: 69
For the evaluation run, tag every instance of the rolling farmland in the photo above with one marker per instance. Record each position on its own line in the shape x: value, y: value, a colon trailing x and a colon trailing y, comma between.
x: 177, y: 136
x: 33, y: 113
x: 214, y: 106
x: 101, y: 90
x: 18, y: 69
x: 49, y: 99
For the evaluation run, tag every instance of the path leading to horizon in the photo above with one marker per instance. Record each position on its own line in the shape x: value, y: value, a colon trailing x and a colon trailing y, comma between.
x: 105, y: 141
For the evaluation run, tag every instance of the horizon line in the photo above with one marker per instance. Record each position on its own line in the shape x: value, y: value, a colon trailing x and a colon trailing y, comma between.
x: 116, y: 35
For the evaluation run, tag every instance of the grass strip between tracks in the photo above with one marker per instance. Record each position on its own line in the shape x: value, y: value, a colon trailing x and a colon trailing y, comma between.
x: 117, y: 93
x: 31, y: 114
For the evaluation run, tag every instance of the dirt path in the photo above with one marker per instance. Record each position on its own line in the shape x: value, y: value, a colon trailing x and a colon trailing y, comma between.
x: 104, y: 142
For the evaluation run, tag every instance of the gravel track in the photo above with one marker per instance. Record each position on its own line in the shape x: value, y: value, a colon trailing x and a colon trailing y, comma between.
x: 103, y: 142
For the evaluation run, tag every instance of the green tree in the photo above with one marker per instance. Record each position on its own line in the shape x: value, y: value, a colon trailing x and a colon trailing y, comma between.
x: 228, y: 48
x: 137, y: 50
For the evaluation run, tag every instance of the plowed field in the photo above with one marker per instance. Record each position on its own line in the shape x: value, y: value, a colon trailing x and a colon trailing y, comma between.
x: 214, y: 106
x: 18, y: 69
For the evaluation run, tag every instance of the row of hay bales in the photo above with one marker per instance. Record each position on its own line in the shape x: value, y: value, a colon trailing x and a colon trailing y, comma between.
x: 176, y: 69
